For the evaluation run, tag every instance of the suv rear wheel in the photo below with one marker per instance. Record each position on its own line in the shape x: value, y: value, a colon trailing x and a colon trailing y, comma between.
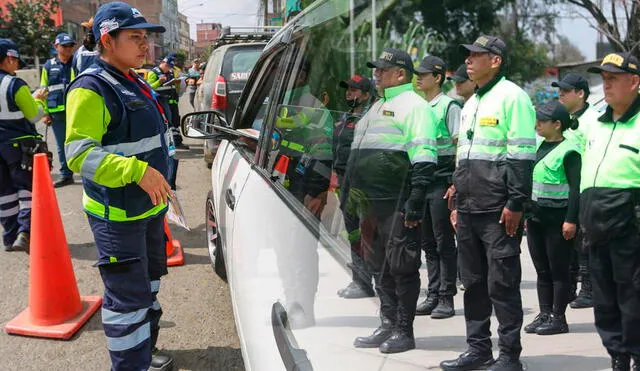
x: 213, y: 240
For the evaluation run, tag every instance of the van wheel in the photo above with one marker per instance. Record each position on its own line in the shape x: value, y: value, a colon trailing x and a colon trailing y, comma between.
x: 213, y: 240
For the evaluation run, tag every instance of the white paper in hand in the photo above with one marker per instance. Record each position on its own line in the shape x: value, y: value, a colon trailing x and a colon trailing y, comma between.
x: 175, y: 213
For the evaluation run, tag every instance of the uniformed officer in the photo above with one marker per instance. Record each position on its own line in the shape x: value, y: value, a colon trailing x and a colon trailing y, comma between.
x: 393, y: 160
x: 438, y: 236
x: 495, y: 159
x: 117, y: 140
x: 19, y: 112
x: 464, y: 86
x: 553, y: 217
x: 574, y: 92
x: 359, y: 92
x: 610, y: 209
x: 157, y: 78
x: 86, y: 53
x: 56, y: 75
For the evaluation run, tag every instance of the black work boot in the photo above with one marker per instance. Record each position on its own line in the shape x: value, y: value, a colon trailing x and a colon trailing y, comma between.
x: 620, y: 362
x: 160, y: 362
x: 584, y: 299
x: 427, y: 306
x: 506, y: 363
x: 64, y: 181
x: 379, y: 336
x: 468, y: 361
x: 540, y: 320
x: 557, y: 324
x: 355, y: 291
x: 636, y: 363
x: 444, y: 309
x: 400, y: 341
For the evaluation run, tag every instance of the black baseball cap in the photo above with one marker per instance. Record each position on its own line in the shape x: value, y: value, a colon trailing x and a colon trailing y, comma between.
x: 357, y: 82
x: 392, y: 57
x: 10, y: 49
x: 618, y: 63
x: 119, y: 15
x: 430, y: 64
x: 572, y: 81
x: 460, y: 75
x: 554, y: 110
x: 487, y: 44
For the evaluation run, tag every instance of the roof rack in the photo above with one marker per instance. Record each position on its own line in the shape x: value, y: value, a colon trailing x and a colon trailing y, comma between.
x: 238, y: 35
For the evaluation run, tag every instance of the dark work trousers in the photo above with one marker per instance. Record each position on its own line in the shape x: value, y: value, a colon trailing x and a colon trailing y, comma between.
x: 59, y: 126
x: 490, y: 271
x: 359, y: 268
x: 581, y: 255
x: 175, y: 123
x: 615, y: 274
x: 551, y: 255
x: 131, y: 259
x: 439, y: 245
x: 15, y: 194
x: 379, y: 224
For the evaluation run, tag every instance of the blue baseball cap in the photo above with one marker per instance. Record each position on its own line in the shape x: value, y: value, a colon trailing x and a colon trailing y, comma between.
x: 64, y: 39
x: 120, y: 16
x: 10, y: 49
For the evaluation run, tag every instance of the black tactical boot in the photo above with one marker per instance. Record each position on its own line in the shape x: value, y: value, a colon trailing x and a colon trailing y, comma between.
x: 427, y: 306
x: 355, y: 291
x: 400, y: 341
x: 379, y: 336
x: 444, y: 309
x: 506, y: 363
x: 557, y: 324
x: 620, y: 362
x: 468, y: 361
x: 540, y: 320
x: 584, y: 299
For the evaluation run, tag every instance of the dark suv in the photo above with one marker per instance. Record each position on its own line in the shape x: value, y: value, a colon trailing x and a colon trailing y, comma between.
x: 227, y: 71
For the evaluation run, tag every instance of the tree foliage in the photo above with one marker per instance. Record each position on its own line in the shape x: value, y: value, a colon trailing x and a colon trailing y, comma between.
x: 29, y: 24
x: 565, y: 52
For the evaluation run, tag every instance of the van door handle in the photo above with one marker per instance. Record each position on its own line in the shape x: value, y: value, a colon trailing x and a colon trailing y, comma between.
x: 230, y: 199
x: 294, y: 358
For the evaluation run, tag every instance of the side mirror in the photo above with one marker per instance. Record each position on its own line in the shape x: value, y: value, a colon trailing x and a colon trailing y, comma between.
x: 203, y: 125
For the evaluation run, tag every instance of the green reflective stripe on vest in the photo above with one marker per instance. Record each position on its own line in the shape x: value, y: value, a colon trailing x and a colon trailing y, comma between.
x: 445, y: 146
x: 549, y: 176
x: 291, y: 145
x: 115, y: 214
x: 612, y: 155
x: 59, y: 108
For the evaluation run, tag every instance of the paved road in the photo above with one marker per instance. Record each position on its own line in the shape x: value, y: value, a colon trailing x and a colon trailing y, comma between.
x: 197, y: 327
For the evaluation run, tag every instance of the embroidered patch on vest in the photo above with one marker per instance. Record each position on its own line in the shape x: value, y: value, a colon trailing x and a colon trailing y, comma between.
x: 388, y: 113
x: 488, y: 121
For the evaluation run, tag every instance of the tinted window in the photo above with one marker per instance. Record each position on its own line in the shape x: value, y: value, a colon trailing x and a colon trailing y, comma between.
x: 239, y: 61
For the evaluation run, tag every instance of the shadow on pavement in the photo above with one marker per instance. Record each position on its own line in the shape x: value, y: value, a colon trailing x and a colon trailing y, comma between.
x: 188, y: 154
x: 442, y: 343
x: 191, y: 259
x: 195, y: 238
x: 560, y: 362
x: 528, y: 285
x: 210, y: 359
x: 582, y: 328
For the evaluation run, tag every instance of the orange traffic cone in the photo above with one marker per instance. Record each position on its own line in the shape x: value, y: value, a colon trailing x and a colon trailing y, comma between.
x: 173, y: 247
x: 280, y: 171
x: 55, y: 309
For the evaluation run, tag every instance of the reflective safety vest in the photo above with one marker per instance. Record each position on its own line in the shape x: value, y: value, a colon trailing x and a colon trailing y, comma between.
x: 444, y: 140
x: 612, y: 155
x: 13, y: 124
x: 56, y: 76
x: 549, y: 176
x: 141, y: 132
x: 578, y: 135
x: 170, y: 90
x: 83, y: 59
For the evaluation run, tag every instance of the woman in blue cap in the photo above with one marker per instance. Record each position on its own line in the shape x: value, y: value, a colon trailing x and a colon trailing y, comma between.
x: 19, y: 111
x: 117, y: 140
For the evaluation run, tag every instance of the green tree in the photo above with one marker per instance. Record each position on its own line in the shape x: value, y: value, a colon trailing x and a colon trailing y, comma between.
x: 29, y: 24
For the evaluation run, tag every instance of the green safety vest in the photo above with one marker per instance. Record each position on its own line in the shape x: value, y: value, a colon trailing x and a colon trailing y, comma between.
x: 498, y: 125
x: 579, y: 135
x: 549, y: 177
x: 444, y: 141
x: 611, y: 158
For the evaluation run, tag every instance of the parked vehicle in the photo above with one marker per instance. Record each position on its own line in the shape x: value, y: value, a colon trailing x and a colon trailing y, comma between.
x: 283, y: 247
x: 227, y: 71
